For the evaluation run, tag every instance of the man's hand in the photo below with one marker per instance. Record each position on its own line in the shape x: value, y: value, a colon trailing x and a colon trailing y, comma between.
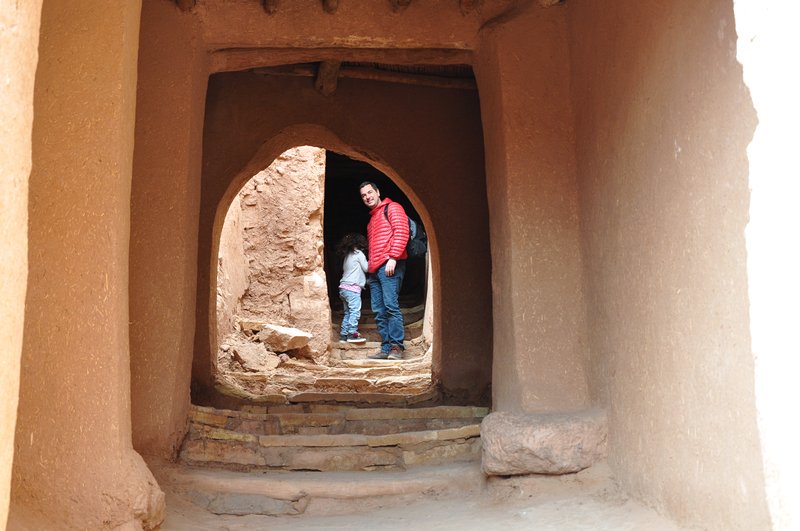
x: 390, y: 267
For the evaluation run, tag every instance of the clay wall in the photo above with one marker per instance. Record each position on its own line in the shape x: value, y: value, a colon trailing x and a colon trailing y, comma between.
x: 73, y: 459
x: 164, y: 207
x: 540, y: 337
x: 18, y: 63
x: 432, y: 149
x: 232, y: 277
x: 663, y: 120
x: 282, y: 212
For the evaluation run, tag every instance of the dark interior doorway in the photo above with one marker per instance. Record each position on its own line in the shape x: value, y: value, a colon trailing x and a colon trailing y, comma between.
x: 345, y: 213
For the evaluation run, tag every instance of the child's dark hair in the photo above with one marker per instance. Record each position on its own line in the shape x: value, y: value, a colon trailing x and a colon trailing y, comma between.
x: 351, y: 242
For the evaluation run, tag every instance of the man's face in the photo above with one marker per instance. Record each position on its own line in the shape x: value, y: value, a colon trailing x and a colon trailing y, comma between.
x: 370, y: 196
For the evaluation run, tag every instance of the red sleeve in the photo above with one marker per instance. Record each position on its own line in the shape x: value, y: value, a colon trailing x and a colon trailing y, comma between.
x: 399, y: 222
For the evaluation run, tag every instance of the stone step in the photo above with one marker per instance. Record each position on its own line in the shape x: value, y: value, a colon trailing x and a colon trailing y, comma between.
x: 279, y: 493
x: 327, y: 439
x: 335, y: 419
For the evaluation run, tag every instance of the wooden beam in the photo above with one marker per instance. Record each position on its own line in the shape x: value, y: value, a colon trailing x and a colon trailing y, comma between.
x: 186, y: 5
x: 399, y: 5
x: 330, y: 6
x: 327, y: 77
x: 270, y: 6
x: 386, y: 76
x: 235, y: 59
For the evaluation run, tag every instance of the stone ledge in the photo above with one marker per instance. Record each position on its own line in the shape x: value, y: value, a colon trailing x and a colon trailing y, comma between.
x: 543, y: 443
x: 443, y: 412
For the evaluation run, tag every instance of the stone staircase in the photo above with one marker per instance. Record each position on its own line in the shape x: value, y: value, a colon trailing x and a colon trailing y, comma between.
x: 324, y: 437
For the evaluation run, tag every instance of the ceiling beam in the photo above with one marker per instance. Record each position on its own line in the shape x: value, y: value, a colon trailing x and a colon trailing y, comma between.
x: 330, y: 6
x: 399, y: 5
x: 270, y: 6
x: 327, y: 77
x: 234, y: 59
x: 386, y: 76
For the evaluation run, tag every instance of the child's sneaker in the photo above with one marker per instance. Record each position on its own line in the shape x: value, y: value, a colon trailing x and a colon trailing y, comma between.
x: 355, y: 337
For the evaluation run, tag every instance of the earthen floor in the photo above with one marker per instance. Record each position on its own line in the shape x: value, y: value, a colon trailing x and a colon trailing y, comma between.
x: 589, y: 500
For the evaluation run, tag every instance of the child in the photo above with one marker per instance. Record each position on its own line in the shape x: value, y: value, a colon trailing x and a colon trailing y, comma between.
x: 352, y: 248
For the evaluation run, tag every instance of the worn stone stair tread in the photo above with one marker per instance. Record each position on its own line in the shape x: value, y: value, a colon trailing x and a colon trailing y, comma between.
x: 341, y: 485
x: 351, y: 439
x: 365, y: 398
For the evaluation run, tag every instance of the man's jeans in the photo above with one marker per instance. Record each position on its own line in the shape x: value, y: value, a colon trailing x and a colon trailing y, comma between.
x: 383, y: 294
x: 352, y: 311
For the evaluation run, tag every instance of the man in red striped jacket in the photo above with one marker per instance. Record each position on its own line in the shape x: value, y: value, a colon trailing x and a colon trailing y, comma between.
x: 387, y: 235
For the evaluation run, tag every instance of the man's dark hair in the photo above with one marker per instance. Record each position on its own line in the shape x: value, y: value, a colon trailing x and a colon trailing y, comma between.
x: 368, y: 183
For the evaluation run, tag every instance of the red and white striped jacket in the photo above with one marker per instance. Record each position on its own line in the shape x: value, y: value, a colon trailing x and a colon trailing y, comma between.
x: 386, y: 238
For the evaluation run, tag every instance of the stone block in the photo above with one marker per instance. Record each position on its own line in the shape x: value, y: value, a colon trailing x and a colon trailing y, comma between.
x: 331, y: 459
x: 442, y: 452
x: 207, y: 418
x: 344, y: 439
x: 283, y: 338
x: 543, y: 443
x: 228, y: 435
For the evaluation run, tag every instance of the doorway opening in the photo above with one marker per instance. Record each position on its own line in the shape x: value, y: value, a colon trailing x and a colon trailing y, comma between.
x: 278, y: 311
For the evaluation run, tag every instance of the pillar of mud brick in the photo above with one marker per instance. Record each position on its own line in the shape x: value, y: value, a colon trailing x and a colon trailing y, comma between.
x: 663, y: 122
x: 165, y: 195
x: 74, y: 464
x: 540, y: 347
x: 18, y: 58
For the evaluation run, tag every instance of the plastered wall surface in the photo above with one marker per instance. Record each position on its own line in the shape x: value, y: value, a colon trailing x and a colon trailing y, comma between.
x: 663, y: 120
x: 232, y: 275
x: 19, y: 39
x: 540, y: 336
x: 165, y: 199
x: 433, y: 146
x: 73, y: 457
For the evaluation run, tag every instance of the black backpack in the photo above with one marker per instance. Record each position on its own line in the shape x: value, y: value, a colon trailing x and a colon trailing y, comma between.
x: 417, y: 239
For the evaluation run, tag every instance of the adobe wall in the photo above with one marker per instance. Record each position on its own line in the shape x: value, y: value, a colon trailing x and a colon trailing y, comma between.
x: 73, y: 455
x: 165, y: 200
x: 434, y: 146
x: 232, y: 270
x: 540, y: 338
x: 663, y: 122
x: 18, y: 62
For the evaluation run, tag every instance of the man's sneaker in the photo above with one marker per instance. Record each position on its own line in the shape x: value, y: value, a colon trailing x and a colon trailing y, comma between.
x: 342, y: 338
x: 355, y: 337
x: 379, y: 356
x: 396, y: 353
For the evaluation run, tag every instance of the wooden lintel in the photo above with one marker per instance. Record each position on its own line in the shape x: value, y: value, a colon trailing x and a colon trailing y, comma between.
x: 270, y: 6
x: 327, y: 77
x: 235, y: 59
x: 186, y: 5
x: 468, y: 6
x: 399, y: 5
x: 330, y: 6
x: 387, y: 76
